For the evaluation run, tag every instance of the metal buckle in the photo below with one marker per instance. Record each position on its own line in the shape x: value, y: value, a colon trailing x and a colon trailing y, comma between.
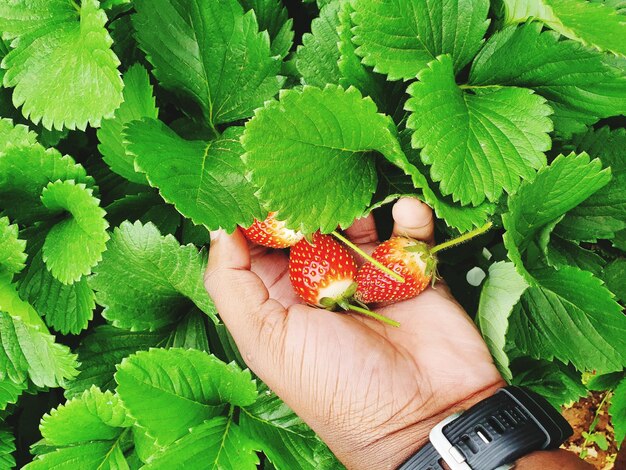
x: 450, y: 454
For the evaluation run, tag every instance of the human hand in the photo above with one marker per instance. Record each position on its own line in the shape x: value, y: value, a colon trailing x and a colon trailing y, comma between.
x: 372, y: 392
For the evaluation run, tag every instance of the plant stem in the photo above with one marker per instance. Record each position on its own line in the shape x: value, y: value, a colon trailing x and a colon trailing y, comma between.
x: 383, y: 268
x: 374, y: 315
x: 463, y: 238
x: 594, y: 423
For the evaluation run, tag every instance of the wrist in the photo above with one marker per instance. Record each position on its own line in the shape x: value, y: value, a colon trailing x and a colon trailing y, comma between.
x: 390, y: 450
x: 551, y: 460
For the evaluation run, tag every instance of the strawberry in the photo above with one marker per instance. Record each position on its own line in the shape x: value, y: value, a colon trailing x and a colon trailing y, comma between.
x: 413, y: 260
x: 272, y: 233
x: 322, y: 272
x: 410, y: 258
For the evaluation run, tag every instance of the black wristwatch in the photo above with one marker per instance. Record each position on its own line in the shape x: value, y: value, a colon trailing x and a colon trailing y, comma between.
x: 493, y: 434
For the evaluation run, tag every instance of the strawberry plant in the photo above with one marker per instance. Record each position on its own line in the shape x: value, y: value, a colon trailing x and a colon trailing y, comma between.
x: 129, y: 128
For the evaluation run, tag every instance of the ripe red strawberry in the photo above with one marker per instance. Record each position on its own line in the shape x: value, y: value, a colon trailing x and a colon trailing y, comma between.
x: 410, y: 258
x: 322, y: 272
x: 272, y: 233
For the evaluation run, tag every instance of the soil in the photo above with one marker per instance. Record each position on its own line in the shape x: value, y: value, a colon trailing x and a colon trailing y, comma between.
x: 581, y: 415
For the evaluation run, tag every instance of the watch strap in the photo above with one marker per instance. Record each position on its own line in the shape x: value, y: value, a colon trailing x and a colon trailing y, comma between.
x: 494, y: 432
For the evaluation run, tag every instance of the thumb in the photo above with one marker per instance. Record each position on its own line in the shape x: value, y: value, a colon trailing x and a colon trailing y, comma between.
x: 241, y: 298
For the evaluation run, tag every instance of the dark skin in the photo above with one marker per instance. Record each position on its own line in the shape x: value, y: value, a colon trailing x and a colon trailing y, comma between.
x: 372, y: 392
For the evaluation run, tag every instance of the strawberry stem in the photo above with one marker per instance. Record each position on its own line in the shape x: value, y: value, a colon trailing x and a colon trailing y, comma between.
x: 463, y: 238
x: 374, y: 315
x: 380, y: 266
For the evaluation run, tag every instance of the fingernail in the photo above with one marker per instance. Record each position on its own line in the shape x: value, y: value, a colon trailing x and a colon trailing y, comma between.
x: 215, y: 234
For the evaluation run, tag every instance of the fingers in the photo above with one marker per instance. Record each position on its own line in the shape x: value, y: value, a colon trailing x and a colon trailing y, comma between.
x: 413, y: 218
x: 363, y: 231
x: 241, y: 298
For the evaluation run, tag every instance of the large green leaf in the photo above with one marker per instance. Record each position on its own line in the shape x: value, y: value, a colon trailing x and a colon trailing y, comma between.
x: 24, y: 173
x: 566, y: 315
x: 318, y: 56
x: 146, y: 281
x: 74, y: 245
x: 206, y: 181
x: 580, y: 83
x: 478, y: 143
x: 602, y: 215
x: 310, y: 154
x: 400, y: 37
x: 62, y: 66
x: 595, y: 23
x: 170, y: 391
x: 284, y: 438
x: 229, y: 67
x: 216, y: 444
x: 500, y: 293
x: 12, y: 255
x: 138, y: 103
x: 563, y: 185
x: 27, y: 348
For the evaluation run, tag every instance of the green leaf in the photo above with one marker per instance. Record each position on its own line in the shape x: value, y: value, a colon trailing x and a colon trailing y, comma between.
x: 603, y: 214
x: 318, y: 56
x: 138, y: 103
x: 566, y: 315
x: 230, y: 69
x: 614, y: 275
x: 323, y: 139
x: 592, y: 23
x: 273, y: 17
x: 479, y: 143
x: 617, y: 410
x: 170, y: 391
x: 27, y: 346
x: 101, y: 350
x: 284, y: 438
x: 12, y: 255
x: 24, y: 173
x: 604, y: 382
x: 7, y: 447
x: 580, y: 83
x: 216, y: 444
x: 562, y: 252
x: 9, y: 393
x: 63, y: 51
x: 557, y: 189
x: 556, y: 382
x: 463, y: 218
x: 74, y: 245
x: 67, y: 308
x: 146, y: 281
x: 399, y: 38
x: 15, y: 135
x: 206, y: 181
x: 93, y: 416
x: 97, y: 455
x: 500, y: 293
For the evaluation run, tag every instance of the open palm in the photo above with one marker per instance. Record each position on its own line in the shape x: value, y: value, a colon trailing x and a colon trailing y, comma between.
x: 371, y: 391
